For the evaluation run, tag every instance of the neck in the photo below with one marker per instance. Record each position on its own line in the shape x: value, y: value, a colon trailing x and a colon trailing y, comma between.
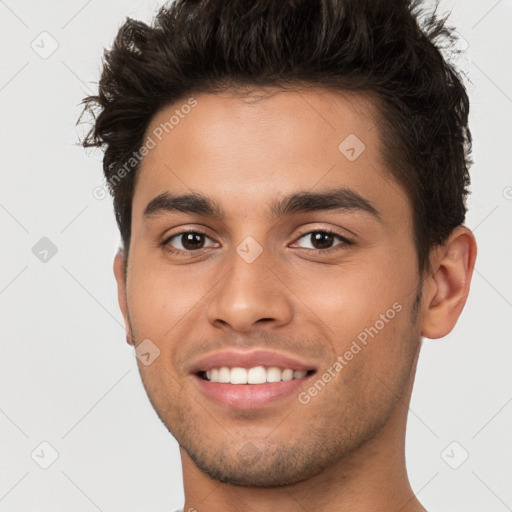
x: 372, y: 477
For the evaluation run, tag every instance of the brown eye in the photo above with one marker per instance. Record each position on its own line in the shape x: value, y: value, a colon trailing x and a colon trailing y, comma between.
x: 323, y: 240
x: 191, y: 241
x: 186, y: 241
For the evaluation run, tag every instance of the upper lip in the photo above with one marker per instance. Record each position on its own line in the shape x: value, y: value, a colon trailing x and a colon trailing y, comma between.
x: 249, y: 359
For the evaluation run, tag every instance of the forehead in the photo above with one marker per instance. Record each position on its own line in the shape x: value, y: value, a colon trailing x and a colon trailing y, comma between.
x: 248, y: 149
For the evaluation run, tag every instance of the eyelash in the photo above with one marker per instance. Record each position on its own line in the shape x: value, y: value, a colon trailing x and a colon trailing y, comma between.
x: 342, y: 246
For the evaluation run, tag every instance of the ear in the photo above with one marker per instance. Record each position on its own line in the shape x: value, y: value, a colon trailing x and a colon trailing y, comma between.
x: 119, y: 273
x: 448, y: 286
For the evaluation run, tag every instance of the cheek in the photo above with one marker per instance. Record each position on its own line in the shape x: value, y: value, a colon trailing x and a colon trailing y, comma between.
x: 366, y: 308
x: 158, y: 299
x: 350, y: 298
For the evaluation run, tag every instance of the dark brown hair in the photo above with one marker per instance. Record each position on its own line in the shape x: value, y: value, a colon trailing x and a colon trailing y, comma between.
x: 389, y: 49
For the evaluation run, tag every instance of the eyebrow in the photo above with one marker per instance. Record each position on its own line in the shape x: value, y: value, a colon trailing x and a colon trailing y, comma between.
x: 343, y: 199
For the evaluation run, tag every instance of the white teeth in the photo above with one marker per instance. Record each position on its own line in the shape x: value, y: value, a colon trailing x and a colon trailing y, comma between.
x: 287, y: 374
x: 273, y: 374
x: 224, y: 374
x: 238, y: 375
x: 255, y: 375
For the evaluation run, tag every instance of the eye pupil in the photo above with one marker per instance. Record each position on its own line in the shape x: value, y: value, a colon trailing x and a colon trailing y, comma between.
x: 190, y: 240
x: 324, y: 239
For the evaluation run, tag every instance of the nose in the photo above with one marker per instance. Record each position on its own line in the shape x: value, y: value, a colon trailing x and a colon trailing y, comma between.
x: 250, y: 296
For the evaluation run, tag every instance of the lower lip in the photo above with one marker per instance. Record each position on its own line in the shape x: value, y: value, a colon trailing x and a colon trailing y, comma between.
x: 249, y: 396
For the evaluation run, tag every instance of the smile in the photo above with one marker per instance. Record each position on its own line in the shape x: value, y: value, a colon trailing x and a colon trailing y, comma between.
x: 254, y: 375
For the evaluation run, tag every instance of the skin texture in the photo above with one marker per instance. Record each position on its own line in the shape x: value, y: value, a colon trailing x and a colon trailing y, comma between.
x: 344, y: 449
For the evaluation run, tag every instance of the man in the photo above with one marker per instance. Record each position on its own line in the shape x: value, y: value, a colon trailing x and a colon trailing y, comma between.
x: 289, y: 180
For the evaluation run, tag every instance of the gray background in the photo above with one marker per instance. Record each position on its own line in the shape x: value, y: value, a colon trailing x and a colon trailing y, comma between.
x: 68, y: 378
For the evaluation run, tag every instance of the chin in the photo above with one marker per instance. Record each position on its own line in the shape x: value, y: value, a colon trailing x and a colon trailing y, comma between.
x: 267, y: 468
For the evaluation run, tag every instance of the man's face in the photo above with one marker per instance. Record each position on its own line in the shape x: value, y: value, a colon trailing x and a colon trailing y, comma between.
x: 253, y: 281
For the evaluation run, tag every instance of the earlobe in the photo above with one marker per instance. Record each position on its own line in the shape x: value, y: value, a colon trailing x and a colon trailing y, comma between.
x: 449, y: 283
x: 119, y: 273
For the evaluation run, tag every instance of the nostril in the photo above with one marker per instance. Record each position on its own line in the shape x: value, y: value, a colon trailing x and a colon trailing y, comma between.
x: 265, y: 320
